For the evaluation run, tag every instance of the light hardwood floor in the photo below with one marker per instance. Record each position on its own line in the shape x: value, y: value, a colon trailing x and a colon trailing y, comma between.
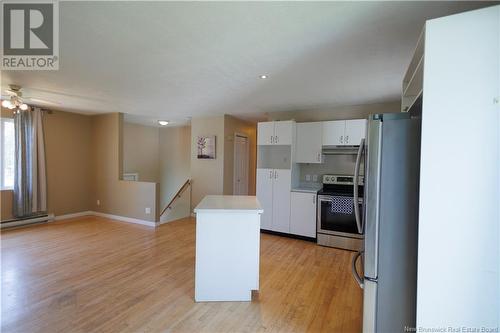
x: 96, y: 275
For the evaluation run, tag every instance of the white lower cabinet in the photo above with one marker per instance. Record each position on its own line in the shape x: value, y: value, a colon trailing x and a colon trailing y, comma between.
x: 273, y: 192
x: 265, y: 196
x: 303, y: 214
x: 281, y: 200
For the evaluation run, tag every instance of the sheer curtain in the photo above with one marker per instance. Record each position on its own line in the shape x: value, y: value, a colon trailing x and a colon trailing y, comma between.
x: 30, y: 182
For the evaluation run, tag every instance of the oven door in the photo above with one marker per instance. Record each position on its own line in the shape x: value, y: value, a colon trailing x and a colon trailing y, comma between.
x: 335, y: 217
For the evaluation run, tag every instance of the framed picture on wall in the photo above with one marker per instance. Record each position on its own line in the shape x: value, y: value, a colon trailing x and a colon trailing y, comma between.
x: 206, y: 147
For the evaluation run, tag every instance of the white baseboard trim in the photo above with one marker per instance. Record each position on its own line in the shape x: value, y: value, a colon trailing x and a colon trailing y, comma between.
x: 72, y: 215
x: 109, y: 216
x: 125, y: 219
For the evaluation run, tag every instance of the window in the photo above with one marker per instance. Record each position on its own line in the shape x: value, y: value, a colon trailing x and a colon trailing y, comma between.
x: 7, y: 154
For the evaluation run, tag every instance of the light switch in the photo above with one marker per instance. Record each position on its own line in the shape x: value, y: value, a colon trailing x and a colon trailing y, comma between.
x: 315, y: 178
x: 308, y: 178
x: 147, y: 210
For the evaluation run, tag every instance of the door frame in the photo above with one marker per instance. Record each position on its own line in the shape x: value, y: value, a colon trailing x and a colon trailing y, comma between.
x: 247, y: 160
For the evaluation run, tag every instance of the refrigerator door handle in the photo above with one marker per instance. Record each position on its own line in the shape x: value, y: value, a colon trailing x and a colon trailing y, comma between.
x: 354, y: 271
x: 356, y: 194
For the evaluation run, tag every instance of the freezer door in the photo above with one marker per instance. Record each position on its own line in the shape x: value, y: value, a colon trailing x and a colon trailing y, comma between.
x: 372, y: 195
x: 369, y: 306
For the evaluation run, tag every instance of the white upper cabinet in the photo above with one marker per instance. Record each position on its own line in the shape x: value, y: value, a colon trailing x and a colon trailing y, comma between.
x: 309, y: 142
x: 355, y: 130
x: 275, y: 132
x: 333, y: 133
x: 283, y: 132
x: 343, y: 132
x: 265, y: 133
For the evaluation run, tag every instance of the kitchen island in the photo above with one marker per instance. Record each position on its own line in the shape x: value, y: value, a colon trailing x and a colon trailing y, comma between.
x: 227, y: 248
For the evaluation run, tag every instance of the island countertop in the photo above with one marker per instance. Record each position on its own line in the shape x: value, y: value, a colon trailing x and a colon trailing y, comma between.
x: 232, y: 203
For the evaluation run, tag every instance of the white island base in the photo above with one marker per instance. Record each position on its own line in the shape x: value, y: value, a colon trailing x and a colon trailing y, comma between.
x: 227, y: 248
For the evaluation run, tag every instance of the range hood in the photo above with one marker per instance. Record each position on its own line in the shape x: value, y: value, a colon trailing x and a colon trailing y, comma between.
x: 339, y: 150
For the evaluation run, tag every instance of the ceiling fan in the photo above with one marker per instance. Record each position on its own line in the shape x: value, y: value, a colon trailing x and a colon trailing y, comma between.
x: 14, y: 98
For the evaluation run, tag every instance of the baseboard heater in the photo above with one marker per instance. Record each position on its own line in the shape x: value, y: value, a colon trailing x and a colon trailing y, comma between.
x: 26, y: 221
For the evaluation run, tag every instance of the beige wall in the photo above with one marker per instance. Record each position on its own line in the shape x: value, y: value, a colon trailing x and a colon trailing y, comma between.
x: 216, y: 176
x: 234, y: 125
x: 117, y: 197
x: 140, y: 151
x: 346, y: 112
x: 175, y: 160
x: 207, y: 175
x: 175, y: 169
x: 68, y: 154
x: 6, y: 205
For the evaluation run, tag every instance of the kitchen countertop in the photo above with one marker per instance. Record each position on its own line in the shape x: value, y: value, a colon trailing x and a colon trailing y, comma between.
x: 308, y: 188
x: 233, y: 203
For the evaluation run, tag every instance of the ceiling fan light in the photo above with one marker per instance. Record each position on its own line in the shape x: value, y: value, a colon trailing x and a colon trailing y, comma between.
x: 6, y: 103
x: 23, y: 107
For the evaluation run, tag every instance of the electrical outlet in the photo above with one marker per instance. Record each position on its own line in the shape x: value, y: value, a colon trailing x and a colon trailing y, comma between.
x: 98, y: 202
x: 308, y: 178
x: 315, y: 178
x: 147, y: 210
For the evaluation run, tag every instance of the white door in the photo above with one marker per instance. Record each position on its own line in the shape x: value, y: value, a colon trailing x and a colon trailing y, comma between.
x: 240, y: 174
x: 265, y: 133
x: 281, y: 200
x: 309, y: 140
x: 303, y: 214
x: 264, y: 180
x: 283, y: 131
x: 333, y: 133
x: 355, y: 130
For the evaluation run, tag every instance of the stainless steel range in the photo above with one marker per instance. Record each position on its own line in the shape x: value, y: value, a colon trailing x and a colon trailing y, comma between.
x: 339, y: 212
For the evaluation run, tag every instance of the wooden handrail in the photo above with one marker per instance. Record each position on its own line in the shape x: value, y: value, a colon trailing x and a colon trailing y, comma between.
x: 177, y: 195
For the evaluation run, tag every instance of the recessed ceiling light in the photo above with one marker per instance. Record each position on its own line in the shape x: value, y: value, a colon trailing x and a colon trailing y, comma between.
x: 263, y: 76
x: 163, y: 122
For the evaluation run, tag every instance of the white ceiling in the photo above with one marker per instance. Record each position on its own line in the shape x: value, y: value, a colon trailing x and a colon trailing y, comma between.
x: 173, y: 60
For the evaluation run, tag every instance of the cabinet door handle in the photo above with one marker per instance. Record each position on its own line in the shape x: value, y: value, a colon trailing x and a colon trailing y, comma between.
x: 275, y: 174
x: 341, y: 139
x: 347, y: 139
x: 276, y: 139
x: 319, y: 157
x: 271, y: 174
x: 272, y: 139
x: 314, y: 199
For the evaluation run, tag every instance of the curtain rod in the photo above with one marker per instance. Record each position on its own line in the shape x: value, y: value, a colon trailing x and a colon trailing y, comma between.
x: 42, y: 109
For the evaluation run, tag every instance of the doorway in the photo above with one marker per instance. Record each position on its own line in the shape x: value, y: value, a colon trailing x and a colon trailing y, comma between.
x: 240, y: 174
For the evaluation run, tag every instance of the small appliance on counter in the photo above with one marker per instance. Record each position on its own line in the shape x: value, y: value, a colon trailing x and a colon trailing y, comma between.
x: 339, y: 218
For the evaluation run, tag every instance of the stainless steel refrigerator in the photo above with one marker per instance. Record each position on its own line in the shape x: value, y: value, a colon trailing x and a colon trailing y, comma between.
x: 390, y: 223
